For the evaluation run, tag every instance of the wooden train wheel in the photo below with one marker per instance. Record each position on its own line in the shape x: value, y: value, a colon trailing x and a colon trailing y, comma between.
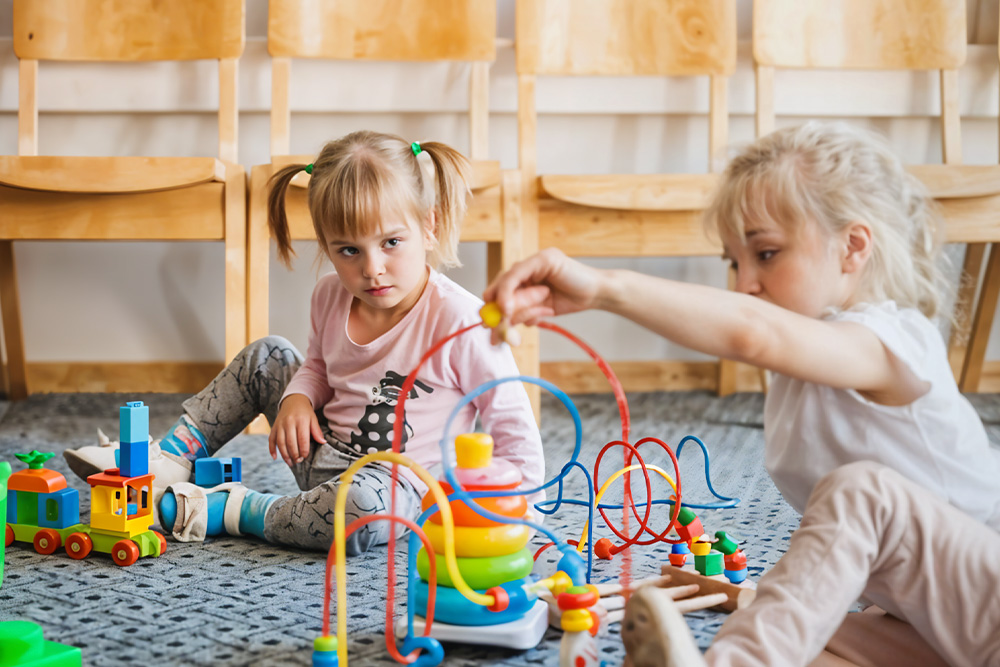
x: 79, y: 545
x: 125, y: 552
x: 47, y: 541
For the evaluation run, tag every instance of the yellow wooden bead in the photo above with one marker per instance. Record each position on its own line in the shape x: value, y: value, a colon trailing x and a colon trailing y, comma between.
x: 491, y: 315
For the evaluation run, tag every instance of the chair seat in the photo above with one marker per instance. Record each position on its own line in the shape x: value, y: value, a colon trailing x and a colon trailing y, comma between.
x: 945, y: 181
x: 633, y: 192
x: 108, y: 175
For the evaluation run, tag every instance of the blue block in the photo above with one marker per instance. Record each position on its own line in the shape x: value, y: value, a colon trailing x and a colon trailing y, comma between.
x: 209, y: 472
x: 59, y: 509
x: 11, y: 506
x: 133, y: 422
x: 134, y: 459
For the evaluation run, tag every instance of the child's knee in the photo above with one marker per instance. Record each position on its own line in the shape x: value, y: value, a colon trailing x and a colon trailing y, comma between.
x: 855, y: 477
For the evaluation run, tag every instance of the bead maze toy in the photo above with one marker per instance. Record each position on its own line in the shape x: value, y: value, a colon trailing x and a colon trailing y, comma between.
x: 44, y: 511
x: 471, y: 582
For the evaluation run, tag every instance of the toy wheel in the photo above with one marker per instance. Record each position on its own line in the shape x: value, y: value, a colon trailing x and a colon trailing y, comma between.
x: 47, y: 541
x: 79, y: 545
x: 163, y: 542
x: 124, y: 553
x: 10, y: 535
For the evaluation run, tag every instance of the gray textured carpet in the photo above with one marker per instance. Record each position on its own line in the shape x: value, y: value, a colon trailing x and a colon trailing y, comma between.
x: 234, y: 601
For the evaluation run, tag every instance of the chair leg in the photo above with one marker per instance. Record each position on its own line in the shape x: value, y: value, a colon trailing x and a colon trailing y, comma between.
x: 972, y: 367
x: 13, y: 331
x: 968, y: 284
x: 236, y: 261
x: 258, y: 255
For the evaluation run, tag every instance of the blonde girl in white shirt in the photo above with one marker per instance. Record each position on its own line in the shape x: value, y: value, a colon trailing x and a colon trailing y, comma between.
x: 837, y: 276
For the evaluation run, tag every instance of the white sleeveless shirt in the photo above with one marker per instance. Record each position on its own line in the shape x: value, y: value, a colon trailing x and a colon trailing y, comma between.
x: 937, y: 440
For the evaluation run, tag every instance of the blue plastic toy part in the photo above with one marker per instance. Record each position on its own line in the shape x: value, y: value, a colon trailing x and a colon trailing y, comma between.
x: 133, y: 422
x: 325, y: 652
x: 209, y: 472
x: 133, y: 458
x: 736, y: 576
x: 680, y: 548
x: 59, y: 509
x: 432, y: 652
x: 452, y: 607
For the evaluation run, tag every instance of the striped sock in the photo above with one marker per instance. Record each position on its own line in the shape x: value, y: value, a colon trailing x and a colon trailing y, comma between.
x: 184, y: 439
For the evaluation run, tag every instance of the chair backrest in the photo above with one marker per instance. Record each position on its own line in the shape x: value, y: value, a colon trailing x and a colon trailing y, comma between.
x: 128, y: 30
x: 416, y: 30
x: 862, y: 34
x: 625, y: 38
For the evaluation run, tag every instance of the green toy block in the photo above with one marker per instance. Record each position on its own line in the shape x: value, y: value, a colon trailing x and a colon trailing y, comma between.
x: 4, y: 474
x: 23, y: 645
x: 725, y: 544
x: 710, y: 564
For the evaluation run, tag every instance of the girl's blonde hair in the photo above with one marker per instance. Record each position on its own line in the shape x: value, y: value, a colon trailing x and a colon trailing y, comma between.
x: 835, y: 174
x: 366, y: 177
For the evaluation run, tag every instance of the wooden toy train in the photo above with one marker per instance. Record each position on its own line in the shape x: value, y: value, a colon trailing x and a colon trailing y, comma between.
x: 44, y: 511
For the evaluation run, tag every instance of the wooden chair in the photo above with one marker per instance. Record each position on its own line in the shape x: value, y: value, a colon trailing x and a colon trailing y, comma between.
x: 625, y: 215
x: 424, y: 30
x: 123, y: 198
x: 890, y: 35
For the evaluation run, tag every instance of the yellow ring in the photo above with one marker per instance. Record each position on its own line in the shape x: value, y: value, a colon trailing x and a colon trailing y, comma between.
x: 475, y: 542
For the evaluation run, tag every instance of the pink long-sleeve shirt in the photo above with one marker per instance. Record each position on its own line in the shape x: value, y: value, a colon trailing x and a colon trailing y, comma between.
x: 358, y: 385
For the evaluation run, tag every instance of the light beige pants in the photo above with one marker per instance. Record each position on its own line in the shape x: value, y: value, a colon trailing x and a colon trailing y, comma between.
x: 870, y: 533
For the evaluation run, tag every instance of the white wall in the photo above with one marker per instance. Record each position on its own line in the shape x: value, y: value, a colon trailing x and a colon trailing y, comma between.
x: 163, y: 301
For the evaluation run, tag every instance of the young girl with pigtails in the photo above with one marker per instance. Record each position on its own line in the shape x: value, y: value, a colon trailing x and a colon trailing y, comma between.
x: 386, y: 212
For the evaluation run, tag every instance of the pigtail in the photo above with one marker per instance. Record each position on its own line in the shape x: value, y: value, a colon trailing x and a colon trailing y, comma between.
x: 277, y: 218
x: 453, y: 178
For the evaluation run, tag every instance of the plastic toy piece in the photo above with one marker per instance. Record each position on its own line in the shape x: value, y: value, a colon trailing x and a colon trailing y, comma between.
x: 480, y: 572
x: 710, y: 564
x: 520, y: 634
x: 679, y: 554
x: 22, y: 644
x: 325, y: 652
x: 689, y: 526
x: 700, y: 548
x: 4, y: 474
x: 724, y: 543
x: 209, y: 471
x: 736, y: 561
x: 491, y: 315
x: 736, y: 576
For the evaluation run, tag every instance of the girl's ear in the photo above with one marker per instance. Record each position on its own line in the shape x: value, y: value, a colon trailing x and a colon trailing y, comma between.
x: 857, y: 238
x: 430, y: 229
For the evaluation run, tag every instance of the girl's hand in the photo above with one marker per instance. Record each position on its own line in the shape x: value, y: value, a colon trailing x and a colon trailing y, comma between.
x: 290, y: 434
x: 546, y: 284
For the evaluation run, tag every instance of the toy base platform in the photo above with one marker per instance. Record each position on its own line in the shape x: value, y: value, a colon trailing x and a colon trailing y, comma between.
x: 522, y: 634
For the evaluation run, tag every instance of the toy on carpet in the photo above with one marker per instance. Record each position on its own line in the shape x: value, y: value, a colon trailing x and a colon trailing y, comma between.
x: 474, y: 529
x: 44, y: 511
x: 23, y: 644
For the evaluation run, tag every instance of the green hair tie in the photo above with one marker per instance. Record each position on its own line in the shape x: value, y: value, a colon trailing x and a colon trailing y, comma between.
x: 415, y: 147
x: 308, y: 169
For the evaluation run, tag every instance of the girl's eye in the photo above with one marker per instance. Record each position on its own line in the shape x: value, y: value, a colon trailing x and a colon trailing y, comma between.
x: 765, y: 255
x: 733, y: 265
x: 348, y: 251
x: 392, y: 243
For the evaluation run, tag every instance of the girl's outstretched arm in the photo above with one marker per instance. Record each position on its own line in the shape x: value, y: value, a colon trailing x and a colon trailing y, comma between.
x: 717, y: 322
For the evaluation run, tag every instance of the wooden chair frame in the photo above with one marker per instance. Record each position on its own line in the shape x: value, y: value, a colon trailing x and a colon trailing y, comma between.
x: 123, y: 198
x: 376, y: 30
x: 623, y: 215
x: 883, y: 35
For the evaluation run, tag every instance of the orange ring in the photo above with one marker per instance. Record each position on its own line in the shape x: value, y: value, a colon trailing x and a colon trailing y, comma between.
x: 509, y: 506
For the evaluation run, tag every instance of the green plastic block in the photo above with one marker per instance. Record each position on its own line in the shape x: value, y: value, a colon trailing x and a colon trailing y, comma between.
x: 725, y: 543
x: 4, y: 474
x: 710, y: 564
x: 22, y: 645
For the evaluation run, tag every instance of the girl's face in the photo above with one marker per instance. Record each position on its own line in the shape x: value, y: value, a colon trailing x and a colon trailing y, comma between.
x: 801, y: 271
x: 385, y: 271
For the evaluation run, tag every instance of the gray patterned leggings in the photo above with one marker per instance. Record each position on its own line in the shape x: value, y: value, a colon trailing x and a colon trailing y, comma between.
x: 252, y: 384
